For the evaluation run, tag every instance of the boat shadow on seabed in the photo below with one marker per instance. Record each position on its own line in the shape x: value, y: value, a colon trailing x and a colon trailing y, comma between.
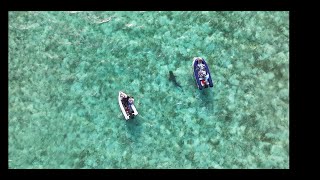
x: 134, y: 126
x: 206, y: 97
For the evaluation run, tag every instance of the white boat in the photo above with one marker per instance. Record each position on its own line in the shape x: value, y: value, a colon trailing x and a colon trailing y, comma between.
x: 124, y: 109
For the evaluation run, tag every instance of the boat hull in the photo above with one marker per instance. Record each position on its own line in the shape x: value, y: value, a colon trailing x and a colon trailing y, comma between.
x: 122, y: 108
x: 195, y: 73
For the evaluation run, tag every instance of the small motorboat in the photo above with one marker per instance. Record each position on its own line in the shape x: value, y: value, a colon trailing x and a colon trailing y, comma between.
x: 201, y: 73
x: 126, y: 105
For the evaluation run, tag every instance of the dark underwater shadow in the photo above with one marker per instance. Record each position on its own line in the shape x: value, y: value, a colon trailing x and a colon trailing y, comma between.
x: 207, y: 98
x: 134, y: 127
x: 206, y: 95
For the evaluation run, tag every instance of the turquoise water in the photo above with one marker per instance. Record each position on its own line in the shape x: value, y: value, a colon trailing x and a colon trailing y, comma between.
x: 66, y: 69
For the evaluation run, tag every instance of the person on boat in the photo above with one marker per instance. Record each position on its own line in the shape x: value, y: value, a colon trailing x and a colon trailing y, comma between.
x: 124, y: 101
x: 127, y: 101
x: 123, y: 98
x: 130, y: 103
x: 200, y: 65
x: 203, y: 77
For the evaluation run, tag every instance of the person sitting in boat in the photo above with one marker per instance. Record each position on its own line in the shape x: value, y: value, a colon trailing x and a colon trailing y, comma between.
x: 201, y: 66
x: 124, y: 100
x: 130, y: 103
x: 203, y: 77
x: 202, y: 73
x: 127, y: 102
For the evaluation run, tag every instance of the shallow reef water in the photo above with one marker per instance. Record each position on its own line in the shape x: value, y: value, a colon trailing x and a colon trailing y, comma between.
x: 66, y: 69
